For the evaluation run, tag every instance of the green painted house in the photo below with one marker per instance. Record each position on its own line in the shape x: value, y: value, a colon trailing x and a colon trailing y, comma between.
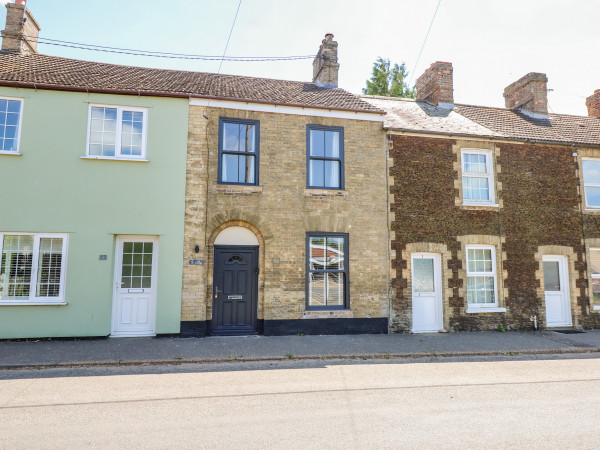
x: 92, y: 182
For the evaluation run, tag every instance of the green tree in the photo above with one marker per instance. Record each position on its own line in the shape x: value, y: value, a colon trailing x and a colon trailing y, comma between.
x: 389, y: 82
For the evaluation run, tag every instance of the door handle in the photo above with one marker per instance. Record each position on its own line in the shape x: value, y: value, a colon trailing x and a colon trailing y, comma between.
x: 217, y: 292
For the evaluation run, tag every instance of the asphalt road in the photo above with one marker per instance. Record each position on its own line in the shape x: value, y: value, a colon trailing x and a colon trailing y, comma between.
x: 500, y: 404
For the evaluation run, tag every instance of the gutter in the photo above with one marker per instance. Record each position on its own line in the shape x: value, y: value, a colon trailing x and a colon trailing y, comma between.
x: 441, y: 134
x: 139, y: 93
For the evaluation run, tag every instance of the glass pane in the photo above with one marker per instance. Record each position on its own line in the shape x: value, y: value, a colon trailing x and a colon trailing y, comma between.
x: 480, y: 290
x: 591, y: 171
x: 479, y: 260
x: 103, y: 126
x: 246, y: 169
x: 317, y: 143
x: 596, y: 291
x: 332, y: 174
x: 332, y: 144
x: 136, y: 270
x: 551, y: 276
x: 317, y: 173
x: 131, y: 133
x: 334, y: 253
x: 317, y: 253
x: 15, y: 268
x: 231, y: 137
x: 229, y: 171
x: 251, y: 139
x: 423, y: 275
x: 592, y: 197
x: 474, y: 163
x: 335, y: 289
x: 316, y: 289
x: 14, y: 106
x: 476, y: 188
x: 49, y: 267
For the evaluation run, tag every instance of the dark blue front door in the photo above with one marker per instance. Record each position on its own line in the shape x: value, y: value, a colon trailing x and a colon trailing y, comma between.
x: 235, y: 290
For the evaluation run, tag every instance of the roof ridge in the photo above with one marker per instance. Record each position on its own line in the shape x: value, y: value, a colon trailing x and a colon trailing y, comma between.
x: 171, y: 70
x: 513, y: 111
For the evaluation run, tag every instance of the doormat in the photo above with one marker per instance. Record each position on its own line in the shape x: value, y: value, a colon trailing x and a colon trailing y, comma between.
x: 569, y: 331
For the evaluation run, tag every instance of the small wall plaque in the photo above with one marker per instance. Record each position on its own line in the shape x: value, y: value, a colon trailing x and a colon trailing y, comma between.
x: 196, y: 262
x: 103, y: 257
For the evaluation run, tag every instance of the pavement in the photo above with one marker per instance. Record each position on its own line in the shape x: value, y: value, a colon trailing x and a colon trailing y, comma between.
x: 165, y: 350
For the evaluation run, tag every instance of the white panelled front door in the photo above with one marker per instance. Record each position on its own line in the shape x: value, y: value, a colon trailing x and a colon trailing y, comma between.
x: 556, y: 291
x: 427, y: 293
x: 134, y: 301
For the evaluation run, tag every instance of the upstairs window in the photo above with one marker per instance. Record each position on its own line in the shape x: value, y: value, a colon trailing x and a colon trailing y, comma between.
x: 591, y: 182
x: 32, y: 268
x: 117, y: 132
x: 325, y: 148
x: 10, y: 124
x: 477, y: 177
x: 238, y: 151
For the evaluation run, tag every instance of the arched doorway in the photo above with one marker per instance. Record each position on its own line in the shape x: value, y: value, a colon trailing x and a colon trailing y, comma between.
x: 235, y: 282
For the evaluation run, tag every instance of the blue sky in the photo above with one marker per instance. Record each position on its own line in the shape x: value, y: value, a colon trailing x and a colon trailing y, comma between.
x: 490, y: 43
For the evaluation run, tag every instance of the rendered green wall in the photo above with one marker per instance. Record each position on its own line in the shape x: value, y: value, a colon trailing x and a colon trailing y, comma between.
x: 51, y: 189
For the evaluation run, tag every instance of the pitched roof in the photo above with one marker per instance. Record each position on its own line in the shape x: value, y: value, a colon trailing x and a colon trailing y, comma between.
x: 408, y: 114
x: 484, y: 121
x: 52, y: 72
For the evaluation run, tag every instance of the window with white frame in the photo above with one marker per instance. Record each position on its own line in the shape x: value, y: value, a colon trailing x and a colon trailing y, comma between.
x: 477, y: 176
x: 10, y: 124
x: 591, y: 182
x: 595, y: 269
x: 32, y: 268
x: 481, y: 276
x: 117, y: 132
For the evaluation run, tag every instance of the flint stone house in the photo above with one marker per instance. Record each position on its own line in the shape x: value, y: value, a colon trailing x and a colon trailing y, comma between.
x: 494, y: 211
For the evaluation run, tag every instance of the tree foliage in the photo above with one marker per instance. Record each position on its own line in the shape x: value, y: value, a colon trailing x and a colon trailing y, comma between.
x: 389, y: 82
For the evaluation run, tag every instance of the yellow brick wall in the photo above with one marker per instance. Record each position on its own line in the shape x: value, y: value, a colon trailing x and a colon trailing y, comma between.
x: 281, y: 211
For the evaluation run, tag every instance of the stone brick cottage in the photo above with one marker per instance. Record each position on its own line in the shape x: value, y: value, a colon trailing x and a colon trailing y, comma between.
x: 286, y: 218
x: 494, y: 211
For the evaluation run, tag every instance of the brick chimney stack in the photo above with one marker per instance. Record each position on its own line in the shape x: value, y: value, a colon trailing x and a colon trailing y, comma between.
x: 529, y: 94
x: 21, y: 30
x: 325, y: 65
x: 436, y: 85
x: 593, y: 104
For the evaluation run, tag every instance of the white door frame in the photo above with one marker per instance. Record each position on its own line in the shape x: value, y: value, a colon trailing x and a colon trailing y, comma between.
x: 437, y: 284
x: 565, y: 291
x: 117, y: 284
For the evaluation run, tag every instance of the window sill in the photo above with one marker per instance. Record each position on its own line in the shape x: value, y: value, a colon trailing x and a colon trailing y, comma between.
x: 106, y: 158
x: 239, y: 189
x: 475, y: 310
x: 328, y: 314
x: 31, y: 303
x: 11, y: 153
x: 309, y: 192
x: 480, y: 205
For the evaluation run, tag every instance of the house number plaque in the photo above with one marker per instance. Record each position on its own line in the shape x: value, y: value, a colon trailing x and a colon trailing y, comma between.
x: 196, y: 262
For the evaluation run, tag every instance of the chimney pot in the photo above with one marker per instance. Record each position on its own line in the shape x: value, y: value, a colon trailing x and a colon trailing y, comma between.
x: 21, y: 2
x: 529, y: 94
x: 436, y: 85
x: 325, y: 65
x: 593, y: 104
